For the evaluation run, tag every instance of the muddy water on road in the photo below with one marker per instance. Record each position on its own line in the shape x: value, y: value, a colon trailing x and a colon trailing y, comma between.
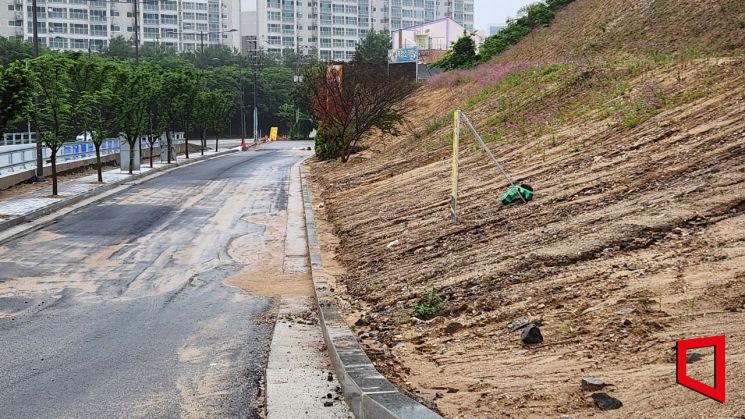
x: 121, y: 309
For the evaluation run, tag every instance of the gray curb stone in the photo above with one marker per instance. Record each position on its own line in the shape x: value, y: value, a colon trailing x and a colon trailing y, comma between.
x: 33, y: 215
x: 368, y: 394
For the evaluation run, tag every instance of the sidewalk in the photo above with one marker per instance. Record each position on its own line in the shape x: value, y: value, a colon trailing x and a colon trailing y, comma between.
x: 300, y: 382
x: 22, y: 208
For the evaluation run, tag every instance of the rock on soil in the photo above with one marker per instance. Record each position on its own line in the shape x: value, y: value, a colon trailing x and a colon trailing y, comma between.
x: 531, y: 335
x: 592, y: 384
x: 518, y: 323
x: 605, y: 402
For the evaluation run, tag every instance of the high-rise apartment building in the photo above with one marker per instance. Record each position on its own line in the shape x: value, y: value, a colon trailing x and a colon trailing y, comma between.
x: 90, y: 25
x: 332, y: 28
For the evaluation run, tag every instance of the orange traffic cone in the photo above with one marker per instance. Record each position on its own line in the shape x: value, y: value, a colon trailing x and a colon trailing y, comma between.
x: 244, y: 146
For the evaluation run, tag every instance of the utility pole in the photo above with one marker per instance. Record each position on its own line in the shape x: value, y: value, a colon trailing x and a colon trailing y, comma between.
x: 39, y: 150
x: 137, y: 33
x: 243, y: 108
x: 256, y: 110
x: 201, y: 42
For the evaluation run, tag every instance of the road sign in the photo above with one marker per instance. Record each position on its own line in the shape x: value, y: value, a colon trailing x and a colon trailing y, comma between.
x: 273, y: 134
x: 403, y: 55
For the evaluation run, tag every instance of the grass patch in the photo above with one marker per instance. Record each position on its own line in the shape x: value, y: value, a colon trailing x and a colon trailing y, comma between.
x: 435, y: 125
x: 429, y: 306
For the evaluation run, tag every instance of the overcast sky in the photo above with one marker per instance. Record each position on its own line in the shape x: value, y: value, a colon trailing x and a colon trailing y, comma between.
x: 496, y: 12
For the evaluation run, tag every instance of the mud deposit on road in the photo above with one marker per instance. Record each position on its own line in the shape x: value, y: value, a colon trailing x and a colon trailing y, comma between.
x: 264, y: 274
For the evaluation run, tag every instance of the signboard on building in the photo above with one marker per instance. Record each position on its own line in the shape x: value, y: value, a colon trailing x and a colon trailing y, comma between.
x: 403, y: 55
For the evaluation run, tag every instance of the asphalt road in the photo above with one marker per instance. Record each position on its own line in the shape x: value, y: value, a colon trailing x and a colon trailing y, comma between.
x: 121, y: 309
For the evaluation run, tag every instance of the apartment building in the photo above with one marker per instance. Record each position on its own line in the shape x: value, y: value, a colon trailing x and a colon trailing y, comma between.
x: 91, y: 24
x: 332, y: 28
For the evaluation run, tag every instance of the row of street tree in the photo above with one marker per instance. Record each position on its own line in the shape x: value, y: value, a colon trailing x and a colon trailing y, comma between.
x: 119, y: 94
x: 65, y: 94
x: 115, y: 94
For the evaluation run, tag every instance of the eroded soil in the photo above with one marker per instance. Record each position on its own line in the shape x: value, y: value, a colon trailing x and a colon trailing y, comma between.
x: 636, y: 239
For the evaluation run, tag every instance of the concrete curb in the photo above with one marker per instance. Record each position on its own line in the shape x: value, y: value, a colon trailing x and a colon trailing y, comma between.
x: 136, y: 178
x: 368, y: 394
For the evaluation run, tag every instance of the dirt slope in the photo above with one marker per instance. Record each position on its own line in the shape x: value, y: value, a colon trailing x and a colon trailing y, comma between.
x: 636, y: 238
x: 586, y: 29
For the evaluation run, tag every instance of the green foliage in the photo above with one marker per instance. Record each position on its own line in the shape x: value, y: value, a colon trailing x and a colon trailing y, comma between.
x: 429, y: 306
x: 530, y: 17
x: 594, y: 46
x: 15, y: 93
x: 12, y: 50
x: 89, y: 75
x: 221, y: 109
x: 119, y: 48
x: 52, y: 114
x: 325, y: 147
x: 435, y: 125
x: 373, y: 49
x: 130, y: 100
x: 461, y: 55
x: 659, y: 57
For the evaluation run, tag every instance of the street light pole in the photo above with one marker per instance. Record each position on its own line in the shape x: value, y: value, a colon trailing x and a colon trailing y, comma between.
x: 256, y: 110
x: 243, y: 107
x: 39, y: 150
x: 137, y: 33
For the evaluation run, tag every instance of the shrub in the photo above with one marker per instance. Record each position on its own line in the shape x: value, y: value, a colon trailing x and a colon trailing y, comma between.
x: 531, y: 17
x: 429, y: 306
x: 326, y: 148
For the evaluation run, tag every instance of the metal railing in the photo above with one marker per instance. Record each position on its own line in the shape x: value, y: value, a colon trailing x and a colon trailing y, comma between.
x: 18, y: 159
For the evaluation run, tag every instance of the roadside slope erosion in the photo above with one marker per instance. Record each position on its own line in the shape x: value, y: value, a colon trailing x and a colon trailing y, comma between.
x: 635, y: 239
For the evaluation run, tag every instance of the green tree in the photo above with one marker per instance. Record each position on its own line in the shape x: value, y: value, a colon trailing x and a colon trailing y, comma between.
x: 201, y: 116
x: 15, y: 93
x: 100, y: 118
x: 52, y: 114
x: 221, y: 110
x: 12, y: 50
x: 373, y: 49
x: 461, y: 55
x: 181, y: 89
x: 157, y: 106
x: 276, y: 87
x: 529, y: 17
x: 130, y: 87
x: 120, y: 48
x: 91, y: 100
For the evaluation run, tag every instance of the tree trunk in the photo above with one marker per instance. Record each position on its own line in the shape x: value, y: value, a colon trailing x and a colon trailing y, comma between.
x: 152, y: 144
x: 186, y: 144
x: 54, y: 172
x: 131, y: 155
x: 204, y: 140
x: 98, y: 161
x: 169, y: 144
x: 217, y: 143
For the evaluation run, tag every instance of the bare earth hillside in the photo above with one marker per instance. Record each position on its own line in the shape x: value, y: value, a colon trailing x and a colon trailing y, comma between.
x: 588, y: 28
x: 636, y: 237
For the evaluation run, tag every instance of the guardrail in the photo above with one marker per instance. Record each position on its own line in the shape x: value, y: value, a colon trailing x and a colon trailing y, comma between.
x: 18, y: 159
